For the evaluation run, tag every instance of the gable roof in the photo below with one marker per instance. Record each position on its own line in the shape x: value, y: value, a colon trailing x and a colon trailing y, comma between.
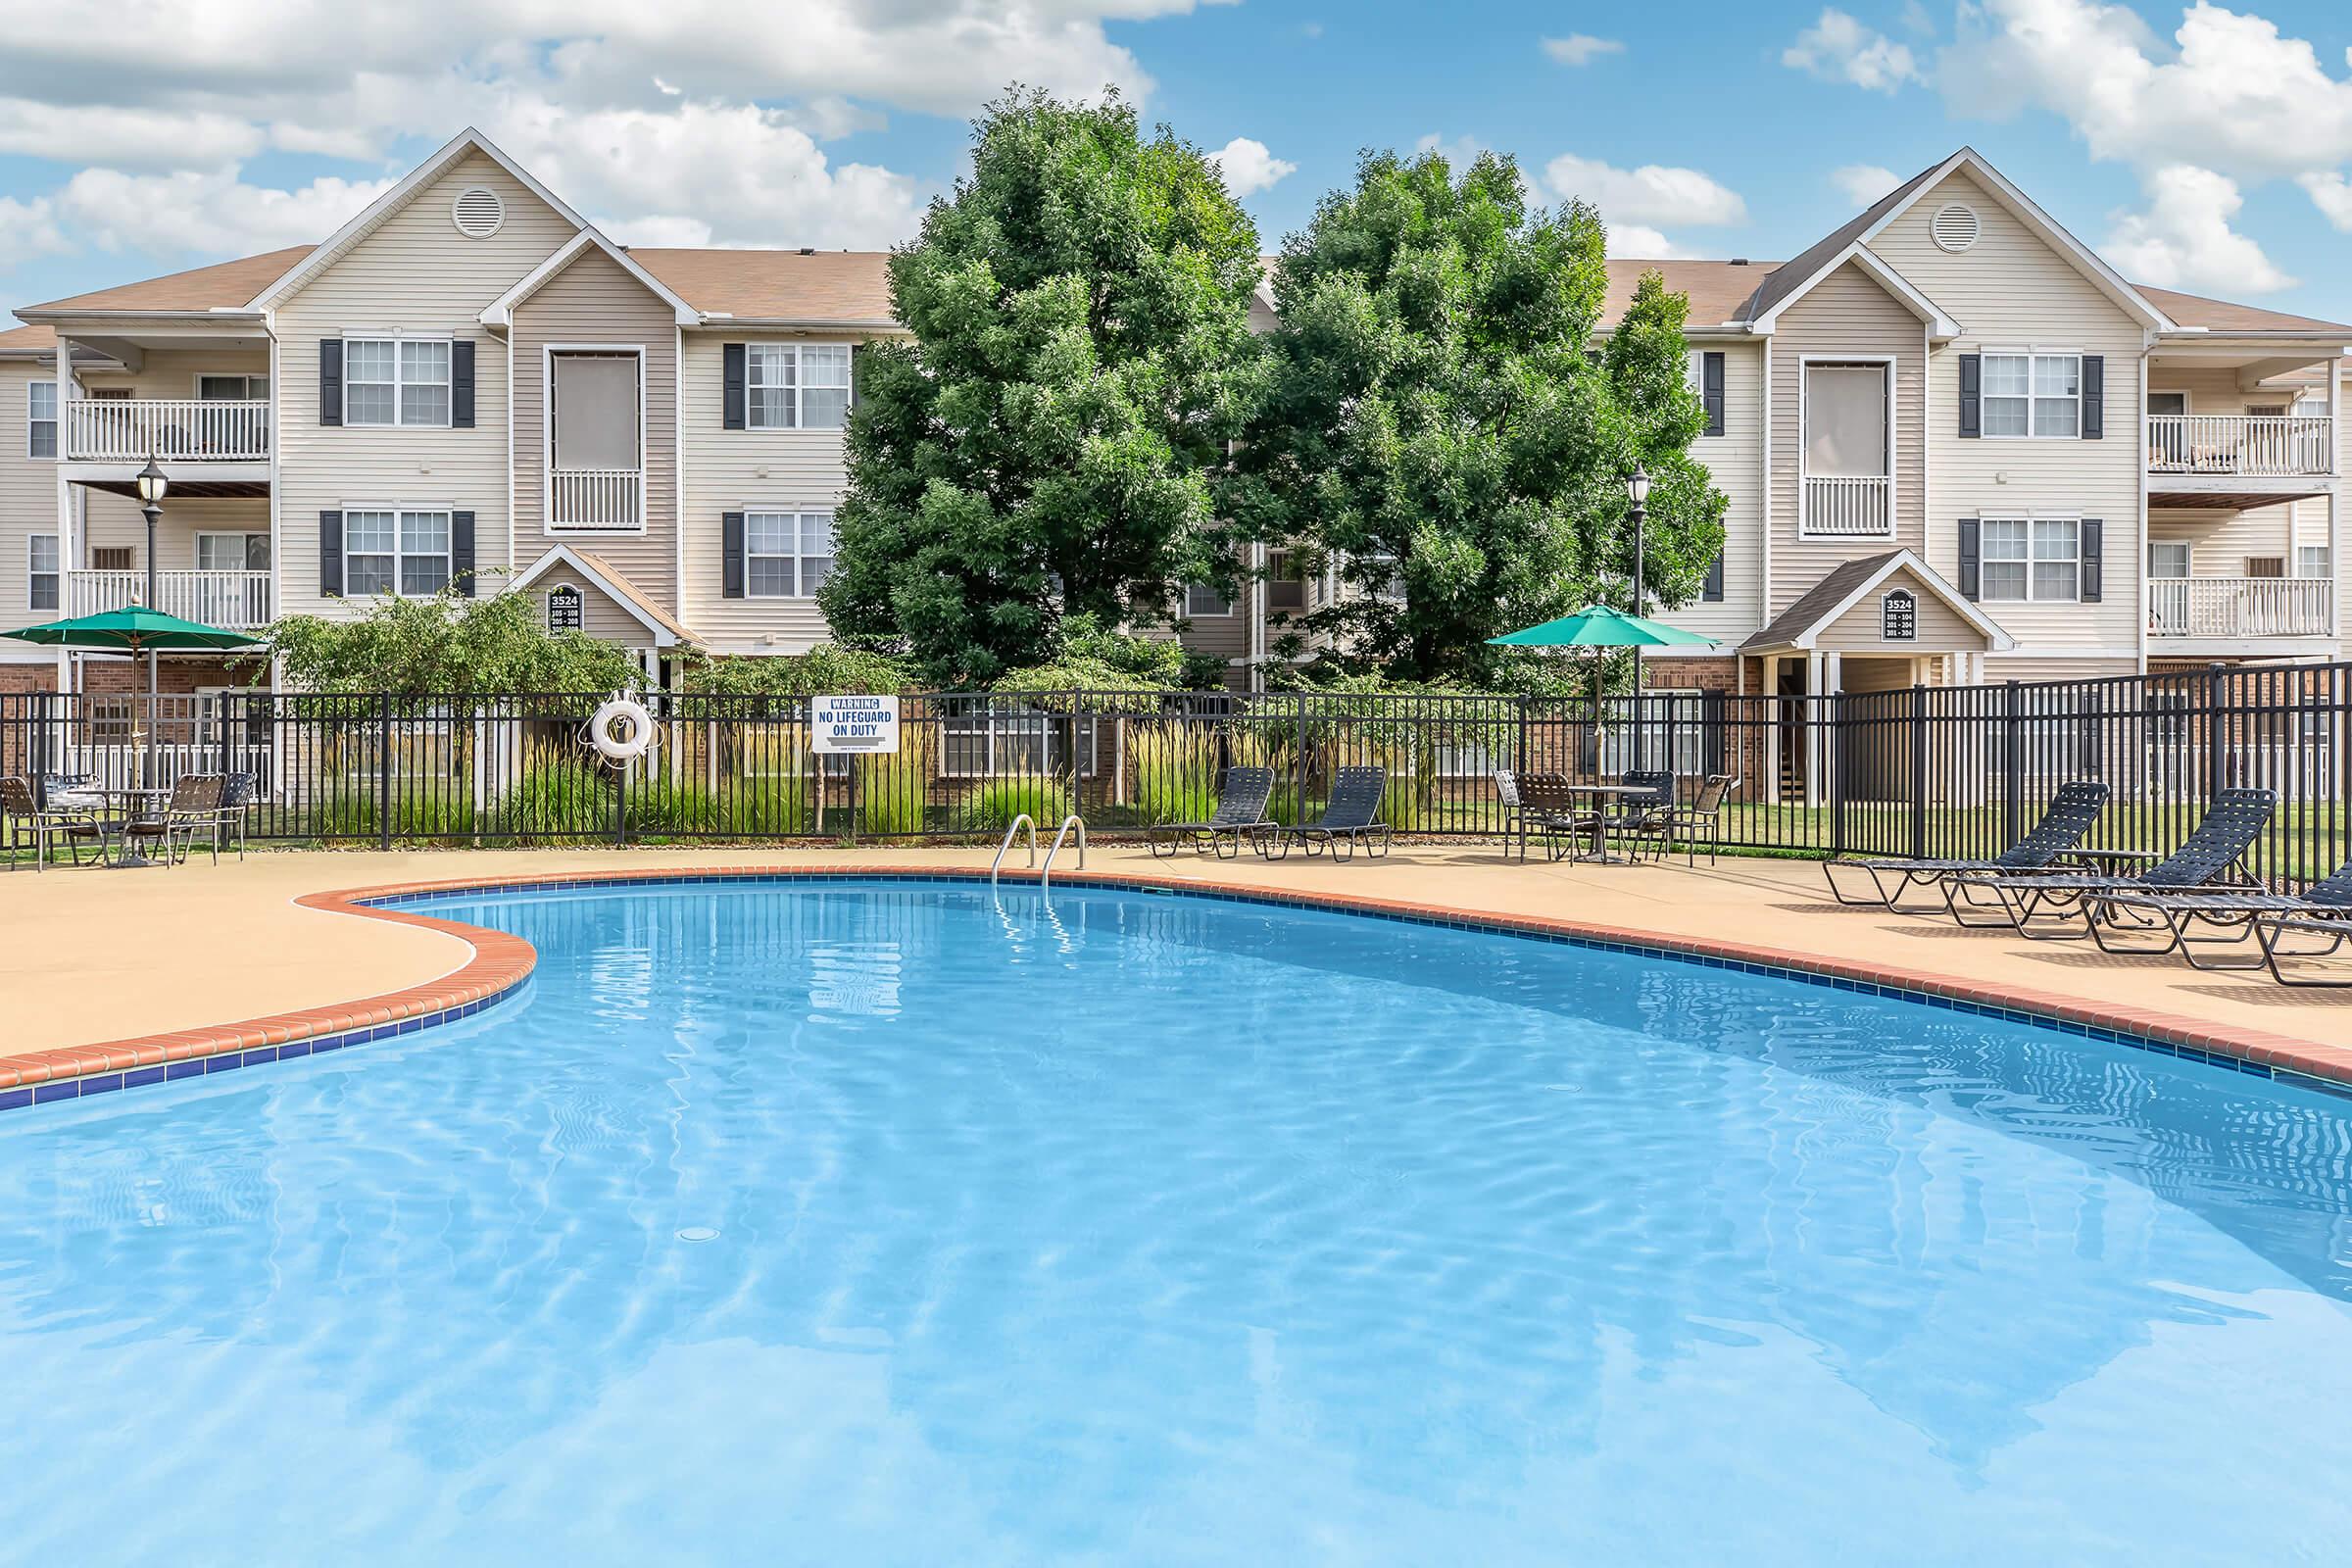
x: 2196, y: 310
x: 617, y: 587
x: 500, y: 311
x: 28, y: 342
x: 222, y: 286
x: 464, y: 144
x: 1719, y: 291
x: 1844, y: 584
x: 817, y: 288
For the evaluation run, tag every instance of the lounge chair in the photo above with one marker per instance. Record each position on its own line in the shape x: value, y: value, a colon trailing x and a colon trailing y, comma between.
x: 1350, y: 818
x: 1538, y: 805
x: 2213, y: 852
x: 2077, y: 807
x: 2229, y: 918
x: 1241, y: 806
x: 32, y: 820
x: 2330, y: 929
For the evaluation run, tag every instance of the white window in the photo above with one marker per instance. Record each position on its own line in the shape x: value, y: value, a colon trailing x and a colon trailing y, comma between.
x: 786, y: 554
x: 41, y: 419
x: 2038, y: 560
x: 233, y: 552
x: 2310, y: 561
x: 232, y: 388
x: 1694, y: 372
x: 992, y: 742
x: 1286, y: 590
x: 395, y: 381
x: 2167, y: 557
x: 41, y: 574
x: 1846, y: 424
x: 395, y: 552
x: 1200, y: 601
x: 2036, y: 395
x: 797, y: 386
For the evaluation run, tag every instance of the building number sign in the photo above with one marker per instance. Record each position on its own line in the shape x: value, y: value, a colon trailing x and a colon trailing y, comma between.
x: 563, y: 609
x: 1898, y: 617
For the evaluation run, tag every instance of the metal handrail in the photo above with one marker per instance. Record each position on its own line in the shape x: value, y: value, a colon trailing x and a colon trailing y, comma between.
x: 1020, y: 820
x: 1073, y: 820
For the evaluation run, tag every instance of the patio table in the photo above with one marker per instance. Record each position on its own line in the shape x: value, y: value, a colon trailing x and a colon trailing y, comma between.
x: 1604, y: 797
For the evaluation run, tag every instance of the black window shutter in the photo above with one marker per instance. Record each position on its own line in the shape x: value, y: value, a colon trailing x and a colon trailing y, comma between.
x: 461, y: 551
x: 330, y: 380
x: 1971, y: 559
x: 1971, y: 396
x: 2094, y: 397
x: 2094, y: 568
x: 731, y: 546
x: 731, y: 394
x: 1711, y: 591
x: 331, y: 552
x: 460, y: 385
x: 1710, y: 384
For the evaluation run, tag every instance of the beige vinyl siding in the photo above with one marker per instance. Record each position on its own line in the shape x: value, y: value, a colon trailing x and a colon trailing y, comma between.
x: 1940, y: 627
x: 1735, y: 460
x: 27, y: 504
x: 737, y: 471
x: 173, y: 372
x: 2062, y: 666
x: 594, y: 301
x: 1225, y: 637
x: 418, y: 276
x: 112, y: 520
x: 1848, y: 315
x: 2012, y: 290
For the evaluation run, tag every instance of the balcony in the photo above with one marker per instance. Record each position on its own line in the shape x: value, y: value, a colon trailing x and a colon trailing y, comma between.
x: 1849, y: 505
x: 2266, y: 446
x: 236, y: 600
x: 172, y: 429
x: 2238, y: 609
x: 594, y: 500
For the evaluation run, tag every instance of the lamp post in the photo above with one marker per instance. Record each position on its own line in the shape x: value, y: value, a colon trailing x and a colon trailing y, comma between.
x: 152, y: 485
x: 1637, y: 491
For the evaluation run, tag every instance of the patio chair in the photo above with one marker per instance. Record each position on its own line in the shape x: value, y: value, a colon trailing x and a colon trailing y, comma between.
x: 32, y: 821
x: 1350, y: 818
x: 1241, y: 806
x: 194, y: 804
x: 2230, y: 918
x: 2214, y: 851
x: 1538, y: 805
x: 1646, y: 817
x: 1706, y: 811
x: 228, y: 821
x: 2072, y: 812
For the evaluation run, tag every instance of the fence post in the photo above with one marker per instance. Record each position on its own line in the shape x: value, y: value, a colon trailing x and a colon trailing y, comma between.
x: 1298, y: 763
x: 2216, y: 759
x: 1519, y: 755
x: 383, y: 770
x: 1076, y: 766
x: 2013, y: 761
x: 1919, y: 772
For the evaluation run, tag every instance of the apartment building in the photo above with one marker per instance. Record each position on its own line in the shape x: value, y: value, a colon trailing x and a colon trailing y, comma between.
x: 1957, y: 445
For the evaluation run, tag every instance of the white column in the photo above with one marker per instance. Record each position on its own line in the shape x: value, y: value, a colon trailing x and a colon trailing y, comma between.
x: 1825, y: 756
x: 1772, y: 728
x: 2335, y: 503
x: 1813, y: 689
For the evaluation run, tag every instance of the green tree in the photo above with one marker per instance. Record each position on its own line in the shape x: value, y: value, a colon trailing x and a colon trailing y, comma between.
x: 1043, y: 445
x: 1440, y: 421
x: 448, y: 643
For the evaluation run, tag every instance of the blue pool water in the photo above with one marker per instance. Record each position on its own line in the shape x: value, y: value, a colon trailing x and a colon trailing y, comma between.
x: 893, y: 1225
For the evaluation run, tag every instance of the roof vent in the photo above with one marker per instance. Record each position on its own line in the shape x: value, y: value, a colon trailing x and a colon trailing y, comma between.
x: 1738, y: 260
x: 1954, y: 228
x: 477, y: 212
x: 808, y: 250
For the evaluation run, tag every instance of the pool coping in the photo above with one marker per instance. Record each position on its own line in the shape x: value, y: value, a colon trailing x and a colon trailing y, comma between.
x: 501, y: 963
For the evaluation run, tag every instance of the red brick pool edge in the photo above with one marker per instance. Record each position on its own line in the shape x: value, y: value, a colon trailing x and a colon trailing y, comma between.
x: 500, y: 962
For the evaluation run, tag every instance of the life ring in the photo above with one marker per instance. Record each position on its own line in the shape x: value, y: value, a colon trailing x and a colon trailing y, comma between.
x: 636, y: 725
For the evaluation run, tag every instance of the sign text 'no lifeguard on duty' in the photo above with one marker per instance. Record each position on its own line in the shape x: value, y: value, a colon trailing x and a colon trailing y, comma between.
x: 854, y: 724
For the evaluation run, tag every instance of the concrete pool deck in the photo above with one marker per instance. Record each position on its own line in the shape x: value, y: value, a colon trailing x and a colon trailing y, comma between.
x: 150, y: 964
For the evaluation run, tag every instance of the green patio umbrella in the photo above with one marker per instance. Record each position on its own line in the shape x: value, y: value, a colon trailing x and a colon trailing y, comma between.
x: 1597, y: 626
x: 134, y: 630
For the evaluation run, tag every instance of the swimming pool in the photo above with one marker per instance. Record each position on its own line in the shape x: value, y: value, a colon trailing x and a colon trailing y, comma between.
x: 901, y: 1224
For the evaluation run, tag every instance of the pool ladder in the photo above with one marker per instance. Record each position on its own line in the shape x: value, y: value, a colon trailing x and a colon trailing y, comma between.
x: 1023, y: 820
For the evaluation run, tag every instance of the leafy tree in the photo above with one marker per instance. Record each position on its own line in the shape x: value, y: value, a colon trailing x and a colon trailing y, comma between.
x: 826, y: 668
x: 1439, y: 422
x: 1043, y: 446
x: 448, y: 643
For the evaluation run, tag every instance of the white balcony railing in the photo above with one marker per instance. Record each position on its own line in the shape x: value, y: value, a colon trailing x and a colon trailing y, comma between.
x: 236, y: 600
x: 174, y: 429
x: 2262, y: 446
x: 2241, y: 607
x: 594, y: 500
x: 1849, y: 505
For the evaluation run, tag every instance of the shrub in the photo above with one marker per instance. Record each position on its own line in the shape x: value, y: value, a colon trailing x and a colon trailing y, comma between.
x: 992, y: 807
x: 663, y: 805
x: 556, y: 799
x: 1175, y: 772
x: 763, y: 805
x: 893, y: 787
x: 423, y: 809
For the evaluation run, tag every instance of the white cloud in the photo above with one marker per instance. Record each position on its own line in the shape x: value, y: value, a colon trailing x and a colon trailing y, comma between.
x: 1838, y: 48
x: 2183, y: 240
x: 29, y: 229
x: 1651, y: 194
x: 1581, y: 48
x: 1459, y: 153
x: 1248, y: 168
x: 2332, y: 194
x: 1864, y: 184
x: 1644, y: 243
x: 216, y: 213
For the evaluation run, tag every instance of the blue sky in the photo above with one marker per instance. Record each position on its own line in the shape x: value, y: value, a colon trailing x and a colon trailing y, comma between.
x: 2198, y: 147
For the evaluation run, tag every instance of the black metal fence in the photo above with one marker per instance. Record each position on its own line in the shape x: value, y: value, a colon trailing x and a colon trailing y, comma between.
x: 1921, y: 770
